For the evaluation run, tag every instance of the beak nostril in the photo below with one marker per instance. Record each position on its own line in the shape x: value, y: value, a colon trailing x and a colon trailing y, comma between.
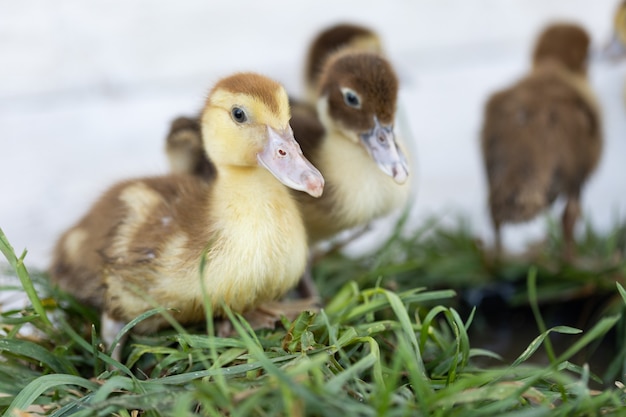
x: 281, y: 152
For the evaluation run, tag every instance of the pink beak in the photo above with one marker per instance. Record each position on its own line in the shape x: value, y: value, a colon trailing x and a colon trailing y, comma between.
x: 283, y: 157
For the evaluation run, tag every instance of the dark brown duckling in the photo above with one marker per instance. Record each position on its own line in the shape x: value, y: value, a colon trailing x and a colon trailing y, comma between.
x: 143, y: 242
x: 542, y: 137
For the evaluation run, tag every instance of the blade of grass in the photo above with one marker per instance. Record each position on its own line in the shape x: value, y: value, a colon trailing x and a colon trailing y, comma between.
x: 33, y: 351
x: 27, y: 284
x: 534, y: 305
x: 36, y: 388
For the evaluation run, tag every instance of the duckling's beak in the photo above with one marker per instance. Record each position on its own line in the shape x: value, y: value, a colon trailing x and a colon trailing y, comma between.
x: 381, y: 144
x: 283, y: 157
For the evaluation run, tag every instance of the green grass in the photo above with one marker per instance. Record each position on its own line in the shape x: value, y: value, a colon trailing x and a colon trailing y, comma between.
x: 397, y: 337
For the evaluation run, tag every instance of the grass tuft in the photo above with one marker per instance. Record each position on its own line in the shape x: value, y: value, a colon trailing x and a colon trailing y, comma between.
x: 401, y: 334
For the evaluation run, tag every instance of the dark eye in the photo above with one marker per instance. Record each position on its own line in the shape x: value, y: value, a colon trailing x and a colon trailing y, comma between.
x: 238, y: 115
x: 351, y: 98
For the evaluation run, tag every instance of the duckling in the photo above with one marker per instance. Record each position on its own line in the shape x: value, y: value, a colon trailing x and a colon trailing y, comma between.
x: 356, y: 107
x: 171, y: 241
x: 349, y: 135
x: 332, y: 39
x: 542, y: 138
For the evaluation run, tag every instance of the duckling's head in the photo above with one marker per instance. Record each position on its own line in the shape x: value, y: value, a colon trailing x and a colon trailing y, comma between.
x: 357, y: 94
x: 333, y: 38
x: 563, y: 43
x: 245, y: 123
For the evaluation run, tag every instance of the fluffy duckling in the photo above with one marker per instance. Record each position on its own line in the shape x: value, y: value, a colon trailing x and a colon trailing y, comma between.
x: 330, y: 40
x: 541, y: 138
x: 236, y: 239
x: 355, y: 139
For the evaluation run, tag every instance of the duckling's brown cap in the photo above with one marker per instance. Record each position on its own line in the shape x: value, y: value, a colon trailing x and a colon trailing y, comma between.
x: 565, y: 43
x: 371, y: 76
x: 252, y: 84
x: 330, y: 40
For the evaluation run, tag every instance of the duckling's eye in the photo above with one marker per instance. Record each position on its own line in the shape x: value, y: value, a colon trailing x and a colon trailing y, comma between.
x: 238, y: 114
x: 351, y: 98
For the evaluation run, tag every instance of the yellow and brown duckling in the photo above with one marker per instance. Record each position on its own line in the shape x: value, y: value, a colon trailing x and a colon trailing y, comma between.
x: 331, y: 40
x: 542, y: 137
x: 143, y: 242
x: 351, y: 139
x: 348, y: 129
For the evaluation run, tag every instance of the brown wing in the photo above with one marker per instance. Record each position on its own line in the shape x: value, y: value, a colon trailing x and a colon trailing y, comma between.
x: 127, y: 226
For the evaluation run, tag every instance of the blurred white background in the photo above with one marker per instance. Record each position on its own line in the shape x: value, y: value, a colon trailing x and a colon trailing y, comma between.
x: 88, y: 89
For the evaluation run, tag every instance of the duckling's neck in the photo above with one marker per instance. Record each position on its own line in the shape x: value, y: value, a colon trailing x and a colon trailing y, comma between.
x: 259, y: 241
x: 359, y: 191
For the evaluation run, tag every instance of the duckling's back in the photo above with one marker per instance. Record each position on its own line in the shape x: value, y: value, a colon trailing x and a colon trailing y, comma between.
x: 540, y: 138
x: 128, y: 226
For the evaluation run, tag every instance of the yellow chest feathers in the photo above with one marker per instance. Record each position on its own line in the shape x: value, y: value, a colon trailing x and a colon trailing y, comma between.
x: 258, y: 250
x: 249, y: 244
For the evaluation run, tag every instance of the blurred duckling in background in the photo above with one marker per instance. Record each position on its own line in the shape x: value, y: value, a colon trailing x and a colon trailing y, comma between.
x: 143, y: 243
x: 330, y: 40
x: 542, y: 137
x: 184, y: 148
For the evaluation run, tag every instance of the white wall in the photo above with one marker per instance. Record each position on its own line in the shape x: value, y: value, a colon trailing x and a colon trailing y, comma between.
x: 87, y: 90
